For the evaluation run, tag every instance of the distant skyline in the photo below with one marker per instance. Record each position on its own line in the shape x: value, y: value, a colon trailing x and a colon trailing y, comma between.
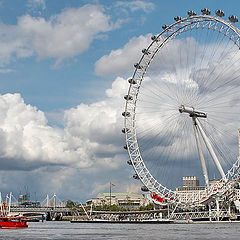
x: 63, y: 71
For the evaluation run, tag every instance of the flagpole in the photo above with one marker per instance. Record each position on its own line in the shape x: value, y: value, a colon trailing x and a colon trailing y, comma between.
x: 110, y: 193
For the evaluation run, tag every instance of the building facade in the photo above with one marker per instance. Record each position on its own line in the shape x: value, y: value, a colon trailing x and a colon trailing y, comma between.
x: 124, y: 200
x: 190, y: 191
x: 190, y: 181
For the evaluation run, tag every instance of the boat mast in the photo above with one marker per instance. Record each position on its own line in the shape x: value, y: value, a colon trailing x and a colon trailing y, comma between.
x: 9, y: 204
x: 1, y: 213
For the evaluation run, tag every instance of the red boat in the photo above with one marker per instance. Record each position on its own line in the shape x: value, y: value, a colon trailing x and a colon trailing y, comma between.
x: 13, y: 222
x: 6, y: 220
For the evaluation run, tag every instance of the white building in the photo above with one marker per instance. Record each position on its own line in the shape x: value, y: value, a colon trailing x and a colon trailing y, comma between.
x: 124, y: 200
x: 190, y: 191
x: 191, y: 194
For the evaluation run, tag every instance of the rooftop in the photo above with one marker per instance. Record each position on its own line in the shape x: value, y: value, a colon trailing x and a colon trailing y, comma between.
x: 121, y: 194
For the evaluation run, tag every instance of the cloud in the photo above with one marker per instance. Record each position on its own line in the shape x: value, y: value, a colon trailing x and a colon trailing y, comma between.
x: 6, y: 70
x: 28, y: 141
x: 86, y: 154
x: 136, y: 5
x: 64, y: 35
x: 100, y: 122
x: 12, y: 44
x: 133, y: 188
x: 36, y: 4
x: 121, y: 61
x: 91, y: 134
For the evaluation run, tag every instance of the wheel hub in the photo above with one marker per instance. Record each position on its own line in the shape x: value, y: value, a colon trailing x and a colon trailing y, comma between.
x: 191, y: 111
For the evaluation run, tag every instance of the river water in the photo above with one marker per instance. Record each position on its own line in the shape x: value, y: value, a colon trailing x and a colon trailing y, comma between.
x: 99, y: 231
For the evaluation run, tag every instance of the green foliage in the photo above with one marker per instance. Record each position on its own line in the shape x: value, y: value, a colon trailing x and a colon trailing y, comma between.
x: 108, y: 208
x: 116, y: 208
x: 70, y: 204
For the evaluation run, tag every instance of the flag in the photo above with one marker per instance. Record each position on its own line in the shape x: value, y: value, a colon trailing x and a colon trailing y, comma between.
x: 112, y: 185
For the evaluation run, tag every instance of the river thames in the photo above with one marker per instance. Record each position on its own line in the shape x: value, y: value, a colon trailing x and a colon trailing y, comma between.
x: 72, y: 231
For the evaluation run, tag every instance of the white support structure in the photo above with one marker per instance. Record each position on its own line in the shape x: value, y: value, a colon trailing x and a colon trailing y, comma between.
x: 54, y: 201
x: 197, y: 126
x: 1, y: 205
x: 85, y: 211
x: 217, y: 207
x: 47, y: 201
x: 211, y: 151
x: 91, y: 209
x: 9, y: 204
x: 201, y: 156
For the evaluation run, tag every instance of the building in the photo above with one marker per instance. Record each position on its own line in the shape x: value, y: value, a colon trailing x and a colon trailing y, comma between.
x: 24, y: 200
x: 190, y: 181
x: 190, y: 191
x: 124, y: 200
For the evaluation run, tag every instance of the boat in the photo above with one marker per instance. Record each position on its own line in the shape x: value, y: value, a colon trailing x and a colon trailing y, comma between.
x: 9, y: 222
x: 124, y: 221
x: 147, y: 221
x: 127, y: 220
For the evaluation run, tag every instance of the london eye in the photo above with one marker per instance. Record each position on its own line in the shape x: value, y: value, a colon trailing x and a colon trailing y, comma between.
x: 182, y: 110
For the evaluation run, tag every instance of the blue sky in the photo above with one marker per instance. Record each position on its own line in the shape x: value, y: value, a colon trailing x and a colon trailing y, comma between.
x: 56, y: 63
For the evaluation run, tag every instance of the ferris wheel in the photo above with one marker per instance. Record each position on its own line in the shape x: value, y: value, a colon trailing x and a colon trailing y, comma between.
x: 182, y: 111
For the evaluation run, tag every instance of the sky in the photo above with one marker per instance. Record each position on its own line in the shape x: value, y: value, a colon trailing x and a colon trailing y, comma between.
x: 63, y: 72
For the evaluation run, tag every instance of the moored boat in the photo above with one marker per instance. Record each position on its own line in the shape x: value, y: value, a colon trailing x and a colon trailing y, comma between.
x: 9, y: 222
x: 145, y: 221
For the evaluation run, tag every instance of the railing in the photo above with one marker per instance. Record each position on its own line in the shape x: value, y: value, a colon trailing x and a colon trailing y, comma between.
x: 214, y: 215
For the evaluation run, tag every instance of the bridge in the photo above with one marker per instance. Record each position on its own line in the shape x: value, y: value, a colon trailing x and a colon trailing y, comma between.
x: 26, y: 209
x: 49, y: 212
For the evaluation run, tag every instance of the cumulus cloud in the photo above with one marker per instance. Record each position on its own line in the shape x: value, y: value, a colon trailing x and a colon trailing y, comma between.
x: 91, y: 133
x: 121, y: 61
x: 136, y: 5
x: 64, y: 35
x: 99, y: 122
x: 86, y: 154
x: 12, y: 45
x: 27, y: 138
